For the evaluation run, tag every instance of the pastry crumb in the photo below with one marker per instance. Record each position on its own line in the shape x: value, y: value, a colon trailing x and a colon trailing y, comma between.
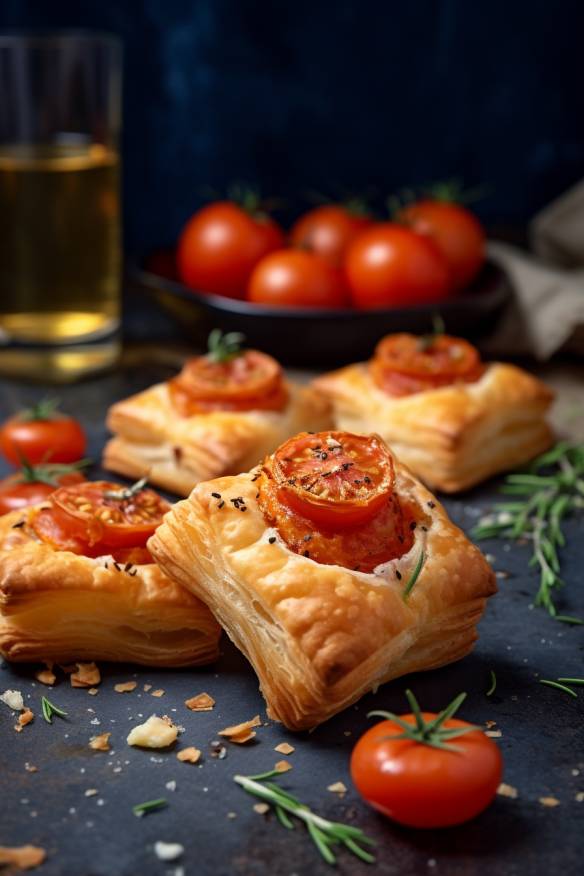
x: 338, y: 788
x: 549, y: 801
x: 92, y: 691
x: 154, y: 733
x: 125, y: 686
x: 13, y: 699
x: 91, y: 792
x: 490, y: 724
x: 261, y: 808
x: 202, y: 702
x: 494, y: 734
x: 157, y: 693
x: 86, y: 675
x: 46, y: 675
x: 189, y: 755
x: 283, y: 766
x: 579, y: 798
x: 168, y: 851
x: 100, y: 742
x: 31, y: 768
x: 147, y: 687
x: 284, y: 748
x: 505, y: 790
x: 22, y: 857
x: 25, y: 717
x: 240, y: 733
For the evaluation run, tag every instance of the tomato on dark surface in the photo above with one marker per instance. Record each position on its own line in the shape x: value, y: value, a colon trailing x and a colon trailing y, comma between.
x: 249, y: 380
x: 296, y: 278
x: 99, y: 518
x: 456, y: 232
x: 331, y: 497
x: 220, y: 246
x: 42, y: 434
x: 404, y: 364
x: 389, y: 265
x: 328, y: 230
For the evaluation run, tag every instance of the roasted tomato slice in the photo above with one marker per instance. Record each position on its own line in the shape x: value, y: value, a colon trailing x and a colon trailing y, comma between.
x: 249, y: 381
x: 331, y: 496
x: 99, y: 517
x: 404, y: 364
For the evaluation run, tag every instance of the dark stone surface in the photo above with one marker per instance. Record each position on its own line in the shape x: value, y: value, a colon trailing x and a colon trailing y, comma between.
x: 542, y: 743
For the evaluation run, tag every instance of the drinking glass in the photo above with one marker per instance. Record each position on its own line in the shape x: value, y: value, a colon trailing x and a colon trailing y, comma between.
x: 60, y: 239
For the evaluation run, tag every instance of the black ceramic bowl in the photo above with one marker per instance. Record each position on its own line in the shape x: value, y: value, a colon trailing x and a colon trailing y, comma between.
x: 306, y: 337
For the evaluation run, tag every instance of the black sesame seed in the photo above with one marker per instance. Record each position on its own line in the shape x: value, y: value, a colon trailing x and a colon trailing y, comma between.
x: 216, y: 495
x: 221, y: 504
x: 243, y: 508
x: 306, y: 553
x: 424, y: 528
x: 413, y: 525
x: 272, y: 539
x: 18, y: 525
x: 431, y: 504
x: 398, y: 574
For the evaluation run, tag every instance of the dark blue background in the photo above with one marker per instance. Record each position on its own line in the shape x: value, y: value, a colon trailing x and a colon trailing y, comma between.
x: 350, y: 95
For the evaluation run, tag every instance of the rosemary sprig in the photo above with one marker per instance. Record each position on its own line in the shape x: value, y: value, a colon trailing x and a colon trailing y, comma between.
x: 576, y: 681
x: 559, y: 686
x: 409, y: 586
x: 48, y: 472
x: 425, y: 342
x: 431, y: 733
x: 149, y: 806
x: 493, y: 686
x: 49, y: 709
x: 224, y: 347
x: 324, y: 833
x: 126, y: 493
x: 550, y: 490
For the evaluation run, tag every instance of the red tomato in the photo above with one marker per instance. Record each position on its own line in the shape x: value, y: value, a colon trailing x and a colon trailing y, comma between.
x: 41, y: 434
x: 327, y: 231
x: 294, y: 278
x: 331, y: 497
x: 220, y: 246
x: 249, y: 380
x: 390, y: 266
x: 419, y: 785
x: 20, y: 490
x: 455, y: 231
x: 99, y: 517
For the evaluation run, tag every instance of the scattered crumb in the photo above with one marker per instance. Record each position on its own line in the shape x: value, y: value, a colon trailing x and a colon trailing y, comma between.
x: 232, y: 815
x: 171, y: 786
x: 347, y: 733
x: 241, y: 733
x: 549, y: 801
x: 100, y: 743
x: 157, y: 693
x: 494, y: 734
x: 338, y: 788
x: 13, y: 699
x: 284, y: 748
x: 261, y: 808
x: 92, y: 691
x: 147, y: 687
x: 217, y: 750
x: 87, y: 675
x: 505, y: 790
x: 168, y: 851
x: 46, y: 676
x: 30, y: 768
x: 22, y: 857
x: 189, y: 755
x: 154, y: 733
x: 91, y: 792
x: 490, y: 724
x: 283, y: 766
x: 579, y: 798
x: 125, y: 686
x: 201, y: 703
x: 25, y: 717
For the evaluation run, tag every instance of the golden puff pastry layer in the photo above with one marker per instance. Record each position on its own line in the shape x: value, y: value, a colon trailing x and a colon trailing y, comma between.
x: 151, y: 439
x: 320, y: 636
x: 452, y: 437
x: 61, y: 607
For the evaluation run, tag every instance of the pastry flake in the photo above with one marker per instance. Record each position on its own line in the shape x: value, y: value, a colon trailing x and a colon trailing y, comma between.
x: 454, y: 424
x: 319, y: 635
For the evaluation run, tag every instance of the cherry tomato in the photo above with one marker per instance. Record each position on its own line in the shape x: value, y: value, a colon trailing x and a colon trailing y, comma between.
x: 419, y: 785
x: 294, y: 278
x: 99, y: 517
x: 220, y: 246
x: 42, y: 434
x: 331, y: 496
x: 21, y: 490
x: 404, y: 364
x: 249, y: 380
x: 327, y: 231
x: 390, y: 266
x: 455, y: 231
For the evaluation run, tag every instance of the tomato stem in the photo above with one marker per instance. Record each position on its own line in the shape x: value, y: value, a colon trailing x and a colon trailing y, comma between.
x: 45, y: 409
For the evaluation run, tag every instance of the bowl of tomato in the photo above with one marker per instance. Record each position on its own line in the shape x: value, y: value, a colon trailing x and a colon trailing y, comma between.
x: 327, y: 291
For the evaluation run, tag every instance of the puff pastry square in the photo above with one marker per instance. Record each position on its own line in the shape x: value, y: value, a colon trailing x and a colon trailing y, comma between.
x: 151, y: 439
x: 61, y: 607
x: 454, y: 436
x: 320, y: 636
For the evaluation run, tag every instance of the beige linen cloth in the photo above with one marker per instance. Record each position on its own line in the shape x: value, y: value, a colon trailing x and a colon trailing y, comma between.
x: 547, y: 311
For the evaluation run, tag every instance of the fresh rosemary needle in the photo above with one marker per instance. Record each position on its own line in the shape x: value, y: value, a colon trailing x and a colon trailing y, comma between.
x: 49, y: 709
x: 149, y: 806
x: 559, y: 686
x: 324, y: 833
x: 493, y: 686
x: 548, y: 492
x: 414, y: 576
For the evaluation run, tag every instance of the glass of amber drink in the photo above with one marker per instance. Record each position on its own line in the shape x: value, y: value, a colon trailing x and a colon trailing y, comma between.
x: 60, y: 239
